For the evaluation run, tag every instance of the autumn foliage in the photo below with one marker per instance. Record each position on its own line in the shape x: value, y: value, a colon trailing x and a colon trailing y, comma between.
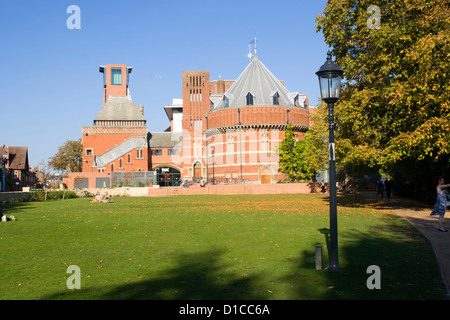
x: 394, y: 110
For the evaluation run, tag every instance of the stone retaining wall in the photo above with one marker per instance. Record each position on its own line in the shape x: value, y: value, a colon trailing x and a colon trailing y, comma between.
x: 5, y: 196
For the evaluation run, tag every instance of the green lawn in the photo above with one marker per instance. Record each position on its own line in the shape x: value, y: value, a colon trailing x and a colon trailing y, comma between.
x: 210, y: 247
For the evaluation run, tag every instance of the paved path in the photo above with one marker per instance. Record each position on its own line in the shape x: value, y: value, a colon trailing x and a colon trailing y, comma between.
x: 418, y: 215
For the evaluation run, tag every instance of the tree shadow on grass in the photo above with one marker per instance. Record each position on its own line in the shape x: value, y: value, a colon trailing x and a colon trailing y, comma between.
x: 8, y: 208
x: 409, y: 269
x: 199, y: 276
x: 371, y: 200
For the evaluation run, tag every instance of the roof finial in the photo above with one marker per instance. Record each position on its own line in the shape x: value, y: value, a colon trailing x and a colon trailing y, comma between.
x: 250, y: 55
x: 255, y: 41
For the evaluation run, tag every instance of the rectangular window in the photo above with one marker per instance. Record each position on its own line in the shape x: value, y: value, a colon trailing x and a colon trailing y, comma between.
x: 116, y: 76
x: 129, y: 158
x: 157, y: 152
x: 230, y: 144
x: 172, y: 152
x: 264, y: 142
x: 139, y: 153
x: 88, y: 152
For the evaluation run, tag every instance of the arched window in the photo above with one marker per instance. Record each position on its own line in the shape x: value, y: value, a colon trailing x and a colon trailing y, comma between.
x: 249, y: 99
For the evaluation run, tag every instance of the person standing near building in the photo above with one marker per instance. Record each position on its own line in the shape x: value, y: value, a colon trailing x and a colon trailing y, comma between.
x: 441, y: 203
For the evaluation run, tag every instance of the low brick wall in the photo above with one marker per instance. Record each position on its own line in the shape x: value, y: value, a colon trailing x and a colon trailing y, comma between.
x: 288, y: 188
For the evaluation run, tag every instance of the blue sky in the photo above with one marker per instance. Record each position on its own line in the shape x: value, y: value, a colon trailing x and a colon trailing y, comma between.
x: 51, y: 86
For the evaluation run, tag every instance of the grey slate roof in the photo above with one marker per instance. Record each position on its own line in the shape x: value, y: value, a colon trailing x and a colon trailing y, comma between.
x: 261, y: 83
x: 119, y: 108
x: 166, y: 140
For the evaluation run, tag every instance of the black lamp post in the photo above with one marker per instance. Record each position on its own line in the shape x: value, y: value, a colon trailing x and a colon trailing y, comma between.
x: 330, y: 83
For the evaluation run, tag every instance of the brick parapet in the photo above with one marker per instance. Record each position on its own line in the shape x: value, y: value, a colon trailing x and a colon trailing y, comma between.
x: 114, y: 130
x: 259, y: 116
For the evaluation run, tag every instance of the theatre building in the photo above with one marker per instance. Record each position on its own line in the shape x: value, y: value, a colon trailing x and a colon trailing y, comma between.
x: 225, y: 131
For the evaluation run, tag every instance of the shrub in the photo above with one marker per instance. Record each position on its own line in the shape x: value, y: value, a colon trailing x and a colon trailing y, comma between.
x: 51, y: 195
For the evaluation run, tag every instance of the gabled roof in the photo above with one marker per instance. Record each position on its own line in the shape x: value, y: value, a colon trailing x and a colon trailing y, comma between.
x: 18, y: 158
x: 261, y: 83
x: 119, y: 108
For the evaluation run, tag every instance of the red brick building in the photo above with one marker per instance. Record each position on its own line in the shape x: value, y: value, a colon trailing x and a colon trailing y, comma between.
x: 18, y: 168
x: 232, y: 129
x: 118, y: 138
x: 226, y: 129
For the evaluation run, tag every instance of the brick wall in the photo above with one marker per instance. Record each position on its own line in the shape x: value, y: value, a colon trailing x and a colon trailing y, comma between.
x: 288, y: 188
x: 100, y: 143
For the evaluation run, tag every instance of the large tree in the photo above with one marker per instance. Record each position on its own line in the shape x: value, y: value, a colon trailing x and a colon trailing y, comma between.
x: 316, y: 153
x: 394, y: 110
x: 68, y: 158
x: 292, y: 159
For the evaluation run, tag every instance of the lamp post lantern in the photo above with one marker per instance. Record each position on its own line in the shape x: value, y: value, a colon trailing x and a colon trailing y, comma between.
x: 4, y: 160
x: 330, y: 83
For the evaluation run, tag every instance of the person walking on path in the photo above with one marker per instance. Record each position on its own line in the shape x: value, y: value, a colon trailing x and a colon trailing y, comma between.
x: 441, y: 203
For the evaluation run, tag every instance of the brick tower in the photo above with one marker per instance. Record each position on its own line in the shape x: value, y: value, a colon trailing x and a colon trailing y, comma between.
x: 196, y: 105
x: 118, y: 138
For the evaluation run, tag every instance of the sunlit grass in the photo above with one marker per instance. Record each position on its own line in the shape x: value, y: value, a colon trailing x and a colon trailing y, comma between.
x: 210, y: 247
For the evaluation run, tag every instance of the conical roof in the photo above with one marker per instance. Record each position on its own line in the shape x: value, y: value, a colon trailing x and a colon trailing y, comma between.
x: 257, y: 80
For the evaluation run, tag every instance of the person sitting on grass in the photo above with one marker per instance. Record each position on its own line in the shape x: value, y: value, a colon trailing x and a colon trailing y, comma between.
x: 98, y: 198
x: 107, y: 198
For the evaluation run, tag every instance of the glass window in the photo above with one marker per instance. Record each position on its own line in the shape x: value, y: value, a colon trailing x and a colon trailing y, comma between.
x: 172, y: 152
x: 116, y: 76
x: 156, y: 152
x: 227, y: 101
x: 276, y: 99
x: 249, y: 99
